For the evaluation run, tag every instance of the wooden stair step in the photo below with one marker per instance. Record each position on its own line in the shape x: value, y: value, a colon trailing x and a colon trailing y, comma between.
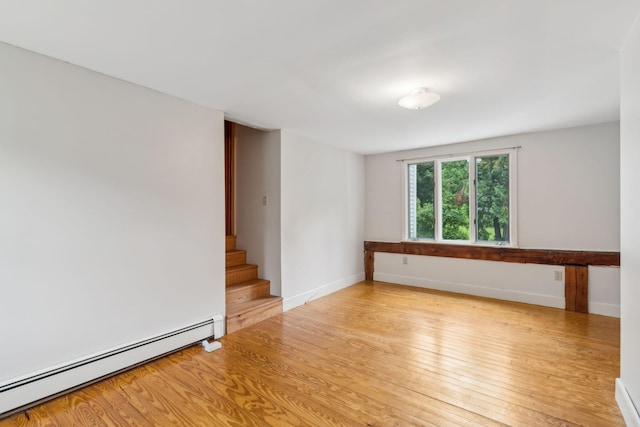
x: 236, y: 257
x: 253, y: 304
x: 246, y: 291
x: 251, y: 312
x: 248, y: 300
x: 241, y: 273
x: 230, y: 243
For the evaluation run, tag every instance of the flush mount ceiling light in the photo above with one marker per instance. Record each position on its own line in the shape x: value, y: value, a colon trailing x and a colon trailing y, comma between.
x: 419, y: 98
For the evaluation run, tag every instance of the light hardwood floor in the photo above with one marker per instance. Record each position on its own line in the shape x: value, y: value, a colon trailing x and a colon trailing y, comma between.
x: 373, y: 354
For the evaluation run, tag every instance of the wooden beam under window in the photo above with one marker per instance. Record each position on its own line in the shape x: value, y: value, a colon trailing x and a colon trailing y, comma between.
x: 497, y: 253
x: 576, y: 263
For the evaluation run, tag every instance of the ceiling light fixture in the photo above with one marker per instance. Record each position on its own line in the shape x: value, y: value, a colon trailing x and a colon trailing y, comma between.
x: 419, y: 98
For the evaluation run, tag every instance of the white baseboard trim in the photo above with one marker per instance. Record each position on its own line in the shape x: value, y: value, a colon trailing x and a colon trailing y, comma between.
x: 628, y: 409
x: 21, y: 392
x: 481, y: 291
x: 603, y: 309
x: 321, y: 291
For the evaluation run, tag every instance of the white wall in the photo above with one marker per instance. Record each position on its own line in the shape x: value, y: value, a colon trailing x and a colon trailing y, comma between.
x: 257, y: 225
x: 629, y: 386
x: 568, y: 198
x: 322, y: 190
x: 112, y: 212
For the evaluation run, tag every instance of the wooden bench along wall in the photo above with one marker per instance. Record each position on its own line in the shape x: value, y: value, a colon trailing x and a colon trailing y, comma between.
x: 576, y: 263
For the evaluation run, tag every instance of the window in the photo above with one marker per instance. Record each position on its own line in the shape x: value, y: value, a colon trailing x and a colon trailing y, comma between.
x: 468, y: 199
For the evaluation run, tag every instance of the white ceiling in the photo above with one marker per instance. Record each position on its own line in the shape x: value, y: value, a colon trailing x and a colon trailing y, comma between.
x: 333, y: 70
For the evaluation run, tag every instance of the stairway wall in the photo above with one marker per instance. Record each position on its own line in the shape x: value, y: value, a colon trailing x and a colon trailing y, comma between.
x: 322, y: 190
x: 257, y: 176
x: 308, y: 239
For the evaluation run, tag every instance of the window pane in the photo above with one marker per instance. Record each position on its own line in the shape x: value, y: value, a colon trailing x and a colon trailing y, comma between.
x: 421, y: 206
x: 492, y: 198
x: 455, y: 200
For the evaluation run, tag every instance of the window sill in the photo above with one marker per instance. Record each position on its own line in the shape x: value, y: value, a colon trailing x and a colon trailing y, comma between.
x: 463, y: 243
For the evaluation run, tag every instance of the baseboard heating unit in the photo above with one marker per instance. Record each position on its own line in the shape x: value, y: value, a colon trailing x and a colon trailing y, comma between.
x: 19, y: 393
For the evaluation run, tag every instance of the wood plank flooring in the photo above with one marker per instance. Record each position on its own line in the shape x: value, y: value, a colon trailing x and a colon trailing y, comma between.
x: 374, y: 354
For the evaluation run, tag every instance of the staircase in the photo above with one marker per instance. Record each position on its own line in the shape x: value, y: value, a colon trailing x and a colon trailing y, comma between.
x: 248, y: 300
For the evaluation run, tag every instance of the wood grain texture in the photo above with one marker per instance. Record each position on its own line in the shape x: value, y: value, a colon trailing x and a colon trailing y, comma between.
x: 373, y: 354
x: 369, y: 260
x: 241, y: 273
x: 570, y: 287
x: 247, y: 291
x: 247, y: 298
x: 582, y: 289
x: 497, y: 253
x: 230, y: 243
x: 251, y: 312
x: 576, y: 288
x: 230, y: 177
x: 235, y: 257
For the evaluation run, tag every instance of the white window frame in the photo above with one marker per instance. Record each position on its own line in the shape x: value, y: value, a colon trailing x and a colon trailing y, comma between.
x: 512, y: 153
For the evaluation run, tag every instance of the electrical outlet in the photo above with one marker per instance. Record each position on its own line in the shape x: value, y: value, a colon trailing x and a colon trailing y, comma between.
x: 405, y: 260
x: 557, y: 275
x: 265, y: 201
